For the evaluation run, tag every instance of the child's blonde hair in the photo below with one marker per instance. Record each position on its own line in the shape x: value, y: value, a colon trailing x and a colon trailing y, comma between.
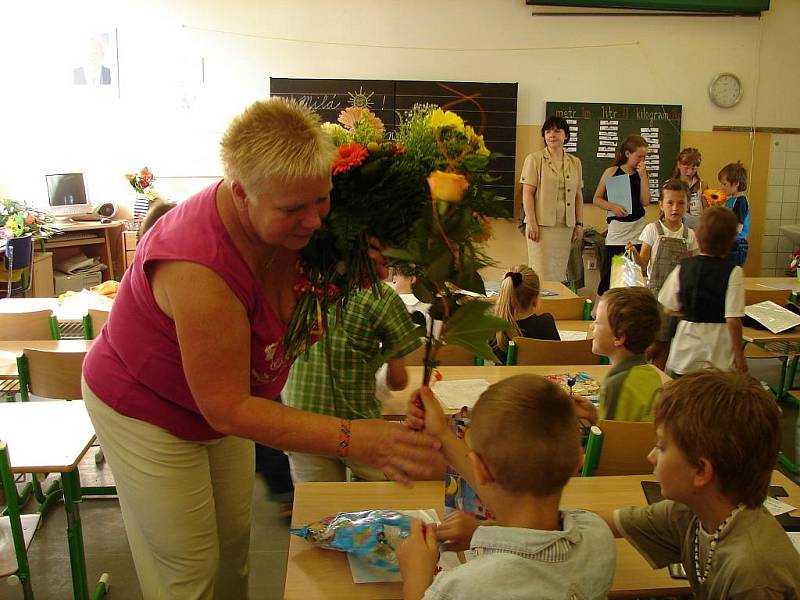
x: 518, y: 291
x: 275, y: 141
x: 525, y: 429
x: 728, y: 419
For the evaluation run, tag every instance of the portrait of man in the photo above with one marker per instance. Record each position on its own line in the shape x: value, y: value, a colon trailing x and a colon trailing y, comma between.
x: 94, y: 69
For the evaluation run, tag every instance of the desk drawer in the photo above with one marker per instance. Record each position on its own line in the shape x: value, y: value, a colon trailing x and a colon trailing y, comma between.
x: 129, y: 239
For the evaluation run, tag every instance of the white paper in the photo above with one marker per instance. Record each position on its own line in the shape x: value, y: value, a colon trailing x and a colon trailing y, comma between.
x: 457, y: 393
x: 780, y: 286
x: 795, y: 537
x: 773, y: 317
x: 776, y: 507
x: 618, y: 190
x: 568, y: 335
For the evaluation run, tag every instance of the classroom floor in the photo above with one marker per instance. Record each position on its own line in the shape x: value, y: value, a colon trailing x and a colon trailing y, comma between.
x: 107, y: 547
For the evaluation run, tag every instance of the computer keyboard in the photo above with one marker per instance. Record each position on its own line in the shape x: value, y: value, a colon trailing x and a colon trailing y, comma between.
x: 74, y: 235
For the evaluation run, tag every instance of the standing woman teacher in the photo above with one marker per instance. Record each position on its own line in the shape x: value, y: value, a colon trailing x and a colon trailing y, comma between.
x: 182, y: 377
x: 552, y: 198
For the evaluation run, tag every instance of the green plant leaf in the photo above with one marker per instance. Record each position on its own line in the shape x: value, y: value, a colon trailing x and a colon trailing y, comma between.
x: 422, y: 292
x: 439, y: 269
x: 399, y: 254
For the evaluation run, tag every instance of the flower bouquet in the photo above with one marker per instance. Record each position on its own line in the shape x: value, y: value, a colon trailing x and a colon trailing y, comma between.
x: 142, y: 181
x: 17, y: 220
x: 422, y: 197
x: 715, y: 197
x: 378, y: 192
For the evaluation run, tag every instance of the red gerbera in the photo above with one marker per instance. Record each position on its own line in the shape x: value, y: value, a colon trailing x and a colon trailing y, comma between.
x: 348, y: 156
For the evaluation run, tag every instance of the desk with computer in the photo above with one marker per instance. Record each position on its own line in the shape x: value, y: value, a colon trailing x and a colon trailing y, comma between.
x: 88, y: 235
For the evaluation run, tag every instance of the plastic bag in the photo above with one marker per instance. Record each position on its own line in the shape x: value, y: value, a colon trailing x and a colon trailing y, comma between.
x: 373, y: 535
x: 625, y: 272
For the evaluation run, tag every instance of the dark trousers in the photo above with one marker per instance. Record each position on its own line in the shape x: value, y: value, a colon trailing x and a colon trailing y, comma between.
x: 605, y: 275
x: 738, y: 254
x: 273, y: 466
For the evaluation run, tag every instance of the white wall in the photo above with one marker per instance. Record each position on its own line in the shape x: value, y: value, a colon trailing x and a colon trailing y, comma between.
x: 47, y: 123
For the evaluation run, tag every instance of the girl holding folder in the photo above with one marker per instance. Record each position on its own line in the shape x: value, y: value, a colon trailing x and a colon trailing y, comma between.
x: 625, y: 204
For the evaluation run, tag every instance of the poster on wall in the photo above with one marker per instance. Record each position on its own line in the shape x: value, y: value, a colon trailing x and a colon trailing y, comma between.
x: 95, y: 65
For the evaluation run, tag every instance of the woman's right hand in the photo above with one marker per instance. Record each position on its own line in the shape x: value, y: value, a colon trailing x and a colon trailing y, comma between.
x: 617, y: 209
x: 532, y: 231
x: 402, y: 454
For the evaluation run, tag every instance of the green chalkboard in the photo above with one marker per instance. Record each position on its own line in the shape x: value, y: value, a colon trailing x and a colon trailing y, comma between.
x: 597, y: 128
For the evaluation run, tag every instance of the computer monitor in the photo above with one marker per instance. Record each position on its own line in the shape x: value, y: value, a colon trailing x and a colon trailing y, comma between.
x: 67, y: 196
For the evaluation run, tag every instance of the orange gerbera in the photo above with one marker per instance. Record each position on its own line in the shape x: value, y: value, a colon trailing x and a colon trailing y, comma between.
x: 715, y: 197
x: 348, y: 156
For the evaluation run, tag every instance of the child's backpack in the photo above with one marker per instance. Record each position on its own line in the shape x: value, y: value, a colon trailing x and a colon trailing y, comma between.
x: 670, y: 252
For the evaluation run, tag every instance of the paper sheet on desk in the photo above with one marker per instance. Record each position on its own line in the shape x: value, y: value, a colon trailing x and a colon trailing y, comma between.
x: 8, y: 363
x: 567, y: 335
x: 780, y: 286
x: 364, y: 572
x: 795, y: 537
x: 773, y: 317
x: 74, y: 306
x: 777, y: 507
x: 459, y: 392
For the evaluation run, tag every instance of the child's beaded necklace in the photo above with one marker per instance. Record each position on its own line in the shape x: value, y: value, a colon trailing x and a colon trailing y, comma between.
x: 712, y: 546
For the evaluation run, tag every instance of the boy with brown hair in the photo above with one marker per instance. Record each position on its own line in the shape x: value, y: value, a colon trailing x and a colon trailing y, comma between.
x: 718, y: 437
x: 625, y: 325
x: 707, y: 292
x: 523, y: 448
x: 733, y: 181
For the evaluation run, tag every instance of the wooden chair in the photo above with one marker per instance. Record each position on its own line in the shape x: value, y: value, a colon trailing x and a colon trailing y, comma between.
x: 619, y: 448
x: 14, y: 557
x: 93, y: 322
x: 571, y: 309
x: 527, y: 351
x: 55, y: 375
x: 779, y: 297
x: 50, y: 374
x: 448, y: 356
x: 33, y: 325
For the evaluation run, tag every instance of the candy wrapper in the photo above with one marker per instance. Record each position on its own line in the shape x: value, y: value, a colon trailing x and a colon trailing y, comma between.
x: 458, y: 494
x: 372, y: 535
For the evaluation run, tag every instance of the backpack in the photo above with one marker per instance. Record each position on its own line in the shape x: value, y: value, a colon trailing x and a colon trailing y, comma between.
x: 670, y: 251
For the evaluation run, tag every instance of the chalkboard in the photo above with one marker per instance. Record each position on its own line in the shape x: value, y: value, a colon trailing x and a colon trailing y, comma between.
x: 490, y: 108
x: 596, y: 129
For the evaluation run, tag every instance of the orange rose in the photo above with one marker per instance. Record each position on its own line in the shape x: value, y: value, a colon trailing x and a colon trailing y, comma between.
x: 447, y: 187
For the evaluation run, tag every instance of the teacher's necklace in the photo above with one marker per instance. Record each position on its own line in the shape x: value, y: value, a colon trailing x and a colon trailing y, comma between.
x: 712, y: 545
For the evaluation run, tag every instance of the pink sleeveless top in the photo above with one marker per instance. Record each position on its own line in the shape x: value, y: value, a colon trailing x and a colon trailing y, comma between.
x: 135, y: 364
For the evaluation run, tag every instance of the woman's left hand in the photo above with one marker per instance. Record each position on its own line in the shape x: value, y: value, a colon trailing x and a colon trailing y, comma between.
x: 577, y: 233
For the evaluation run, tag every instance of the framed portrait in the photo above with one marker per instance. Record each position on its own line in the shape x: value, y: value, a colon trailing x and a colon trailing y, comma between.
x: 95, y: 63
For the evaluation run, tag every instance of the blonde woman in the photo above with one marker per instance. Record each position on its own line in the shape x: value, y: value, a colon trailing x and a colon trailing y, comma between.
x: 519, y: 295
x: 183, y: 376
x: 552, y: 198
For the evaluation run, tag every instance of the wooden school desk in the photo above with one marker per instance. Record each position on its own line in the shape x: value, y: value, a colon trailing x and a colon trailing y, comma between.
x: 95, y: 240
x: 395, y: 408
x: 557, y: 287
x: 52, y: 437
x: 313, y: 573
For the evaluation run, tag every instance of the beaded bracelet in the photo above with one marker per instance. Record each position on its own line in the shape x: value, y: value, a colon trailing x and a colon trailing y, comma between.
x: 343, y: 448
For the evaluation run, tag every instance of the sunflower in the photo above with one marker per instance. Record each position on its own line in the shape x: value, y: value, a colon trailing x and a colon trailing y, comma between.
x: 715, y: 197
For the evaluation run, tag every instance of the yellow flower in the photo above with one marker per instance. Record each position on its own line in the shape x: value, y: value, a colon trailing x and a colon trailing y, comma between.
x: 447, y: 187
x: 476, y: 141
x: 440, y: 119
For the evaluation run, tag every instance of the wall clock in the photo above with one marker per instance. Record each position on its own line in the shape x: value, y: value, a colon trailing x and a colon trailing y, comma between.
x: 725, y: 90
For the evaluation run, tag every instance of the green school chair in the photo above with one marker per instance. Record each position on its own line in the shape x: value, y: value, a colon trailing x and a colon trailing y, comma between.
x: 34, y: 326
x: 55, y: 375
x: 93, y: 322
x: 14, y: 558
x: 527, y: 351
x: 619, y: 448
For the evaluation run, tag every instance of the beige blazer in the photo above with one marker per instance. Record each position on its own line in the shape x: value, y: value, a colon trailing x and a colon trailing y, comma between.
x: 539, y: 171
